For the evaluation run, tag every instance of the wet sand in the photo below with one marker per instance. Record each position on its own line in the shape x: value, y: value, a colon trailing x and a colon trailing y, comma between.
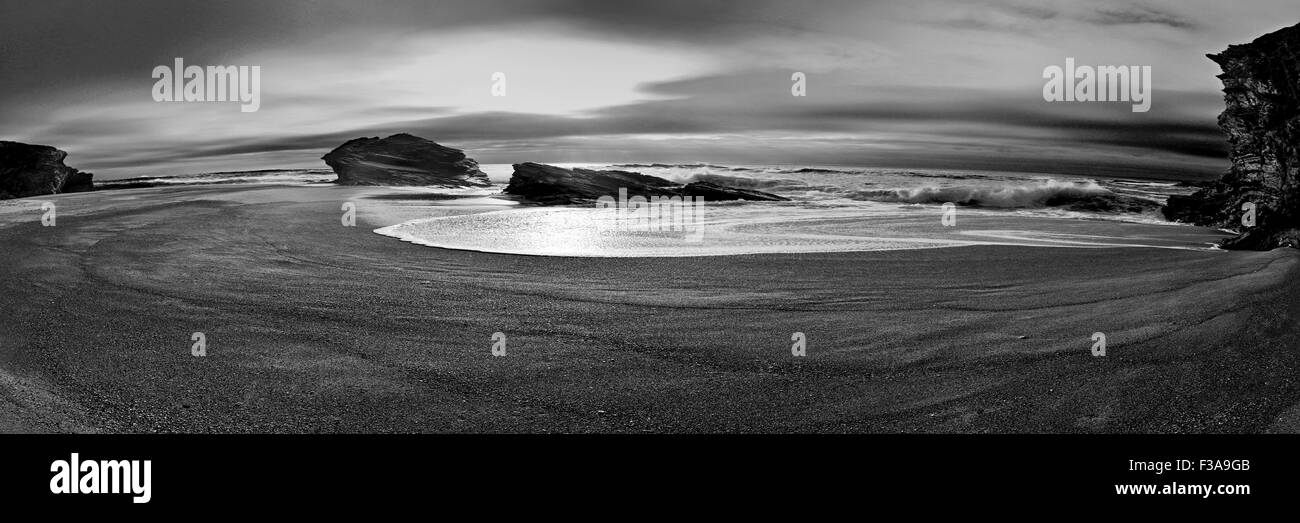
x: 316, y: 327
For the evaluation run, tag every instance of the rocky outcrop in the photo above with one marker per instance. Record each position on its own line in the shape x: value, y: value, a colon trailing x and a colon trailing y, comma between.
x: 34, y: 170
x: 551, y: 185
x: 1261, y: 88
x: 403, y: 159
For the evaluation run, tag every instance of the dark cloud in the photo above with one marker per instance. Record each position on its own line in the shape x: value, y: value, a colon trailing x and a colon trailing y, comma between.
x: 977, y: 122
x: 1034, y: 11
x: 1005, y: 16
x: 1141, y: 15
x: 82, y: 50
x: 53, y: 42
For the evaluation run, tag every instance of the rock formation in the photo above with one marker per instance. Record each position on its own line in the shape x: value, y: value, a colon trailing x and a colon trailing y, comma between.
x: 34, y: 170
x: 1261, y: 88
x: 403, y: 159
x: 551, y: 185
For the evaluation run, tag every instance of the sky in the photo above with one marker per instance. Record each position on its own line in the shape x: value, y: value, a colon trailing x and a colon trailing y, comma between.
x: 951, y: 84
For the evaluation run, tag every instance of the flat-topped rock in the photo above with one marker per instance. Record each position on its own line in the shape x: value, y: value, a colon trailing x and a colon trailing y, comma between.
x: 551, y: 185
x: 403, y: 159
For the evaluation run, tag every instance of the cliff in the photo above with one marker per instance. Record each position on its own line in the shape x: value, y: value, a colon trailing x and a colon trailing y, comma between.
x: 34, y: 170
x: 1261, y: 89
x: 403, y: 159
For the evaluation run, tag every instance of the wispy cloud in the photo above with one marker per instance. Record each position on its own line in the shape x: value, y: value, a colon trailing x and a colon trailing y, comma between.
x: 934, y: 81
x: 1141, y: 15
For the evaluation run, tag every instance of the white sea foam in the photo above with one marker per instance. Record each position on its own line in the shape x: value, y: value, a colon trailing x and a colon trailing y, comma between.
x: 768, y: 228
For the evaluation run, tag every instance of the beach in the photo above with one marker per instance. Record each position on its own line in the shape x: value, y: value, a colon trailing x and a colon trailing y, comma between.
x: 311, y: 326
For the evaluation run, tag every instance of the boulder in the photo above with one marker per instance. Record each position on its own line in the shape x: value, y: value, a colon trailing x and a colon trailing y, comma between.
x: 403, y: 159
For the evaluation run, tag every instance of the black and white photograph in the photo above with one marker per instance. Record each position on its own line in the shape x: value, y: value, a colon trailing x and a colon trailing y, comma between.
x: 1019, y: 223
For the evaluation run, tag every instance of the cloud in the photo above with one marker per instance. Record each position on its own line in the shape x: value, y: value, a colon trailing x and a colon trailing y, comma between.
x: 934, y: 81
x: 1140, y: 15
x: 984, y: 127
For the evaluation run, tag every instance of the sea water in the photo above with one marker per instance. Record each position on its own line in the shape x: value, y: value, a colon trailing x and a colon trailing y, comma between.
x: 835, y: 209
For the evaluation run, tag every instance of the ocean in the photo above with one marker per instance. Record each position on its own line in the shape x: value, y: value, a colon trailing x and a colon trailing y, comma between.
x: 832, y: 209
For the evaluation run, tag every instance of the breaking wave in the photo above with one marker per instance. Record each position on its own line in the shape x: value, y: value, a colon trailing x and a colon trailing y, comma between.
x: 748, y: 182
x: 672, y: 166
x: 1076, y: 196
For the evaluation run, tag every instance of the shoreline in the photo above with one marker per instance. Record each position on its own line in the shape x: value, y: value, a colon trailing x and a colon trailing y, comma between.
x: 314, y: 327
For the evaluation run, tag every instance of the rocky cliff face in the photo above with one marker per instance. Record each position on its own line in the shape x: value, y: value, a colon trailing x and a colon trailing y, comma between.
x: 34, y: 170
x: 1261, y: 88
x: 551, y: 185
x: 403, y: 159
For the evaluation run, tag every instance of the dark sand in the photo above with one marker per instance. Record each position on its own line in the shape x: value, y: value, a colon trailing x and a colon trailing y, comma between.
x: 314, y: 327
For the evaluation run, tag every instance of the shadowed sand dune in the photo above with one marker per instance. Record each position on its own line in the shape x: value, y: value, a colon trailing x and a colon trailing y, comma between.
x: 316, y: 327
